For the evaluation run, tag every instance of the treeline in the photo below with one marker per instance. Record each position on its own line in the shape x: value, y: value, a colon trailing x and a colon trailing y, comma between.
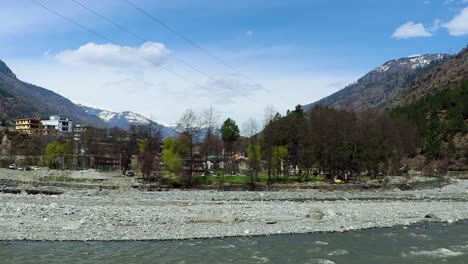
x: 441, y: 120
x: 336, y: 142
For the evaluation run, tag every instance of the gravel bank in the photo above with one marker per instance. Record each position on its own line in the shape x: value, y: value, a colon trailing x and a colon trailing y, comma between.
x: 126, y: 214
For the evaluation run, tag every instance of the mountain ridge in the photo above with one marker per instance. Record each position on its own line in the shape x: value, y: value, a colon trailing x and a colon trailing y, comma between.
x: 447, y: 74
x: 21, y: 99
x: 376, y: 88
x: 125, y: 119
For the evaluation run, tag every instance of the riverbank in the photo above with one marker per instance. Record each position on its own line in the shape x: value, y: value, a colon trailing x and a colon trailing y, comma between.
x: 128, y: 214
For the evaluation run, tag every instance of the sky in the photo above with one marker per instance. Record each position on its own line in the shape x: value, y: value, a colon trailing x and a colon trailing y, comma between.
x: 261, y: 52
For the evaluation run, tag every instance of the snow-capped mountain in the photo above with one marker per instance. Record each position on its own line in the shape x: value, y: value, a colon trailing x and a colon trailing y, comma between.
x: 412, y: 62
x: 378, y: 87
x: 124, y: 120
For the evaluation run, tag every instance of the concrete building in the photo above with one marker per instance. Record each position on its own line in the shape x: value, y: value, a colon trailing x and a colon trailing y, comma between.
x: 29, y: 125
x: 61, y: 125
x: 78, y: 130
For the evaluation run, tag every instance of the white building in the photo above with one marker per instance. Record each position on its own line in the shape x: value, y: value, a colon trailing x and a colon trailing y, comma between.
x: 78, y: 130
x: 61, y: 125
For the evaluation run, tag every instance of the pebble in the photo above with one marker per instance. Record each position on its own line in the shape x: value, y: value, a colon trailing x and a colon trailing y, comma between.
x: 132, y: 215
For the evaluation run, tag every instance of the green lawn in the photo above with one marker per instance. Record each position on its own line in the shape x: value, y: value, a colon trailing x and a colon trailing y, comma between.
x: 241, y: 179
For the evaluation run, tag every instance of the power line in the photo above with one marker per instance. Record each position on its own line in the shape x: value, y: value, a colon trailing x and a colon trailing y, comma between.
x: 192, y: 43
x: 163, y: 50
x: 125, y: 48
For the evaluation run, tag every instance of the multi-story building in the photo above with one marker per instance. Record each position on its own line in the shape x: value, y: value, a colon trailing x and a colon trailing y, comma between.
x: 78, y: 130
x: 61, y: 125
x: 29, y: 125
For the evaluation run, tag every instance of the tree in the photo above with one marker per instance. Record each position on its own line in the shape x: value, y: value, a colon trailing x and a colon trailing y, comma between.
x: 54, y: 152
x: 229, y: 133
x: 189, y: 125
x: 209, y: 120
x: 269, y: 115
x: 149, y: 148
x: 254, y: 154
x: 171, y: 156
x: 250, y: 128
x: 279, y: 154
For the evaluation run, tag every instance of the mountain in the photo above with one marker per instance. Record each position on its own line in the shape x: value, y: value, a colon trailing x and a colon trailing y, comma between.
x: 20, y: 99
x: 378, y: 87
x: 448, y: 74
x: 124, y: 120
x: 437, y: 102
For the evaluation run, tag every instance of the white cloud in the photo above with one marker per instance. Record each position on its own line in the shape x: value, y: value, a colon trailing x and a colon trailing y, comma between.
x: 411, y: 30
x: 436, y: 25
x: 227, y: 88
x: 156, y: 93
x: 459, y: 2
x: 458, y: 26
x: 114, y: 56
x: 249, y: 33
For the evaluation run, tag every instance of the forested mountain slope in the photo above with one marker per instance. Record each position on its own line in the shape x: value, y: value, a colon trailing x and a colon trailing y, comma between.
x: 378, y: 87
x: 21, y: 99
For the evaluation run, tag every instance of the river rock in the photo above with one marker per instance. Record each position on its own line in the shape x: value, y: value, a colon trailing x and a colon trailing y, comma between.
x: 315, y: 214
x: 432, y: 218
x: 72, y: 225
x: 213, y: 216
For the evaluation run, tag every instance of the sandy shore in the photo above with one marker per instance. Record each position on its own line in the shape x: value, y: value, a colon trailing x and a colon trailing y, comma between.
x: 134, y: 215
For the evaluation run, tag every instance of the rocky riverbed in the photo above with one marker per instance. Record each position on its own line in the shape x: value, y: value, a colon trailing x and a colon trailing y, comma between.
x: 128, y: 214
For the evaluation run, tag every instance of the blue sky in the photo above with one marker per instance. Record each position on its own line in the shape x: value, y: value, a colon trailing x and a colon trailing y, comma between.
x: 300, y: 50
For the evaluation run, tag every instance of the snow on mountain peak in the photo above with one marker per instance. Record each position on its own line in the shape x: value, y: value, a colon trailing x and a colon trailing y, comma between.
x: 106, y: 115
x: 411, y: 62
x: 384, y: 67
x: 420, y: 62
x: 135, y: 118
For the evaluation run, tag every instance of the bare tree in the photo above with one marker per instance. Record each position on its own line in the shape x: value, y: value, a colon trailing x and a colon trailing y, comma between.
x: 210, y: 121
x: 270, y: 113
x: 250, y: 127
x: 189, y: 124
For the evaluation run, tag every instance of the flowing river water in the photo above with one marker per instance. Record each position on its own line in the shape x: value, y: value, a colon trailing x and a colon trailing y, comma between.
x: 421, y: 243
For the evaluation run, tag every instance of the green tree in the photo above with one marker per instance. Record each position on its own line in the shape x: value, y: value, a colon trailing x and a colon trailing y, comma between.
x: 279, y: 154
x: 174, y: 151
x: 170, y: 156
x: 229, y: 133
x: 54, y: 152
x: 254, y: 154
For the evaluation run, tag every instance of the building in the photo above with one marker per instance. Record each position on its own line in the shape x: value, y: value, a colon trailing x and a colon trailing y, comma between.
x: 29, y: 125
x: 61, y: 125
x: 78, y: 130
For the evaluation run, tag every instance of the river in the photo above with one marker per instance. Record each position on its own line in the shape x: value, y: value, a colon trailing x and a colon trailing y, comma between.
x: 421, y: 243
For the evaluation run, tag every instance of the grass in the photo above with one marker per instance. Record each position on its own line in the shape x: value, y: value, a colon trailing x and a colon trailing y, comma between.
x: 235, y: 179
x: 65, y: 179
x: 242, y: 179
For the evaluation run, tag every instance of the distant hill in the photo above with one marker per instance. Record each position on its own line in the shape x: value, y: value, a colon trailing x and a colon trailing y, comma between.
x: 20, y: 99
x: 378, y: 87
x: 124, y: 120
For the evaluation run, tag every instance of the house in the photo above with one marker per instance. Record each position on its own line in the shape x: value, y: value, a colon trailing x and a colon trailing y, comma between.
x: 215, y: 162
x: 29, y: 125
x: 61, y: 125
x: 239, y: 162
